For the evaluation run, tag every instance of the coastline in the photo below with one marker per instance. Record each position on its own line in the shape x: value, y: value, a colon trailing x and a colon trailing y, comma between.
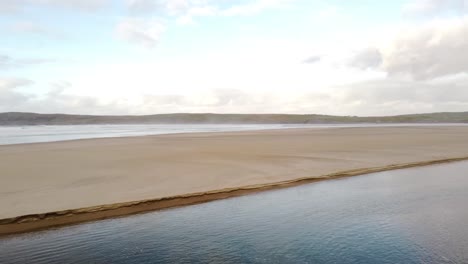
x: 332, y: 166
x: 36, y: 222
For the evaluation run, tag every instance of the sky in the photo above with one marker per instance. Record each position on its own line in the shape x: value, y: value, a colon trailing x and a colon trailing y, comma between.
x: 336, y: 57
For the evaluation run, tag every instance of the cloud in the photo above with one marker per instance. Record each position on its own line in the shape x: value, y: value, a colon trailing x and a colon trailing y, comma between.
x: 369, y: 58
x: 13, y: 6
x: 186, y: 10
x: 143, y: 6
x: 389, y: 96
x: 34, y: 61
x: 431, y: 51
x: 150, y: 100
x: 217, y: 100
x: 193, y: 12
x: 434, y: 7
x: 8, y: 6
x: 58, y: 100
x: 29, y: 27
x: 232, y: 97
x: 426, y: 69
x: 177, y: 6
x: 4, y: 61
x: 374, y: 97
x: 9, y: 97
x: 385, y: 91
x: 165, y: 7
x: 83, y: 5
x: 434, y: 51
x: 312, y: 59
x: 55, y: 101
x: 145, y: 32
x: 254, y: 7
x: 7, y: 62
x: 9, y: 84
x: 34, y: 28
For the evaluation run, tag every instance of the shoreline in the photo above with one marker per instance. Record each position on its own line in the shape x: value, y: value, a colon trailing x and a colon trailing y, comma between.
x: 287, y: 127
x: 36, y: 222
x: 59, y: 183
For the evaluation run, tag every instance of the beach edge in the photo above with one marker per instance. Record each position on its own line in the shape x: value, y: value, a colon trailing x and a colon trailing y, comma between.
x: 35, y: 222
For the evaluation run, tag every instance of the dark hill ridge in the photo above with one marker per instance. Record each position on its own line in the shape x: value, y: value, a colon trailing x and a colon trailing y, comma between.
x: 17, y: 118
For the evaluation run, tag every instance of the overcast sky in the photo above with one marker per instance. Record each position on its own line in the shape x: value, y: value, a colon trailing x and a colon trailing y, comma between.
x: 341, y: 57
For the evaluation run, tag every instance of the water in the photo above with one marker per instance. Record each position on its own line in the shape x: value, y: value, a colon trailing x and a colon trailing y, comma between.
x: 407, y: 216
x: 32, y: 134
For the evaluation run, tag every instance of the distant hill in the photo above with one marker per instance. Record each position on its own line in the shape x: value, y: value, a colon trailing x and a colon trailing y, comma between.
x: 17, y: 118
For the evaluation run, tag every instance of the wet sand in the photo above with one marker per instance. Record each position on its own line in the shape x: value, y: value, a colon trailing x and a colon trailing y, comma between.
x: 47, y: 184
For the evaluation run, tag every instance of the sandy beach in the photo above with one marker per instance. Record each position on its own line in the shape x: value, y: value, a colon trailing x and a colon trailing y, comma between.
x: 81, y: 178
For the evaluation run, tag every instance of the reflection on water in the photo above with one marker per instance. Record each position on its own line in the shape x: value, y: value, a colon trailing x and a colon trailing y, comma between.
x: 408, y: 216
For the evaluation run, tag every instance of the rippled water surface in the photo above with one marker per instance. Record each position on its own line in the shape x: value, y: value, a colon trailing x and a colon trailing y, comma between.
x: 415, y: 215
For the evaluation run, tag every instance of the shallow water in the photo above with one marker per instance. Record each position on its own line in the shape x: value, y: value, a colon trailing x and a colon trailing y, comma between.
x: 414, y: 215
x: 31, y: 134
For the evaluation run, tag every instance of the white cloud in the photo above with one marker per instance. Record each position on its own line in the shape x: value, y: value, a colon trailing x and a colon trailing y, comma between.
x: 12, y: 6
x: 312, y: 59
x: 7, y: 62
x: 143, y: 6
x: 255, y: 74
x: 9, y: 96
x: 186, y: 10
x: 329, y: 12
x: 218, y: 100
x: 187, y: 18
x: 389, y: 96
x: 57, y: 100
x: 170, y: 7
x: 145, y: 32
x: 85, y: 5
x: 8, y: 6
x: 434, y: 7
x: 35, y: 28
x: 177, y: 6
x: 9, y: 84
x: 29, y: 27
x: 369, y: 58
x: 254, y: 7
x: 266, y: 84
x: 375, y: 97
x: 434, y: 50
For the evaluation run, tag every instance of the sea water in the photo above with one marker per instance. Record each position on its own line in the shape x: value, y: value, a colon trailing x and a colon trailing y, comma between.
x: 417, y: 215
x: 33, y: 134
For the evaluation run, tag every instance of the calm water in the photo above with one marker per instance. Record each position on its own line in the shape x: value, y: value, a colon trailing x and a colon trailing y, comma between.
x: 408, y: 216
x: 31, y: 134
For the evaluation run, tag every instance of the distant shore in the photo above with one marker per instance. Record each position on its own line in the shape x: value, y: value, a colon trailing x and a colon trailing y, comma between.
x: 24, y: 119
x: 49, y: 184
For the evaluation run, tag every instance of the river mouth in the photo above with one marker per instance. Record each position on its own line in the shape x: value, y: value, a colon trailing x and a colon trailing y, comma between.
x: 415, y: 215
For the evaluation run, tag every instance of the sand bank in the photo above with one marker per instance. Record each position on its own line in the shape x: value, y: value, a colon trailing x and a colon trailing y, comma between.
x: 48, y: 184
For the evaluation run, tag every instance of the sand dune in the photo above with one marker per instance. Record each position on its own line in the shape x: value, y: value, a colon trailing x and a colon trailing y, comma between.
x: 50, y: 177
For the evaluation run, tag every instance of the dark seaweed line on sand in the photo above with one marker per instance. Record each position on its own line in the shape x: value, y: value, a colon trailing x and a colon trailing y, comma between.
x: 31, y: 222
